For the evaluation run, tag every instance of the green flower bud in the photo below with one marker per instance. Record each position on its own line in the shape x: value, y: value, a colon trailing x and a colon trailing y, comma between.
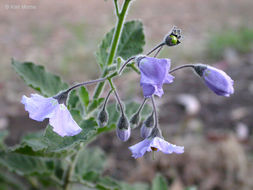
x: 123, y: 122
x: 174, y: 37
x: 102, y: 118
x: 135, y: 119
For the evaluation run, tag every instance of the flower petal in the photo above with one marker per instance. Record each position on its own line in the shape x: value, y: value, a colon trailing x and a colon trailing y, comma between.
x: 139, y: 149
x: 39, y: 107
x: 148, y: 90
x: 165, y: 147
x: 63, y: 123
x: 153, y: 70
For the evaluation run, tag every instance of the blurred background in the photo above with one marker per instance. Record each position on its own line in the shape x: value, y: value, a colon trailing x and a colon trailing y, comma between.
x: 216, y: 131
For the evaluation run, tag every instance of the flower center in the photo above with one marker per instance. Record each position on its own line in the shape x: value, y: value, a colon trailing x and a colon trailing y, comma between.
x: 154, y: 148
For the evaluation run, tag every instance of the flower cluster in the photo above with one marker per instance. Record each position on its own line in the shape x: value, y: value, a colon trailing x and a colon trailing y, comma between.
x: 154, y: 72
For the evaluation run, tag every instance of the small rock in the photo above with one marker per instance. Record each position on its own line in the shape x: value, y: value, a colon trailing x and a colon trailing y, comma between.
x: 239, y: 113
x: 242, y: 131
x: 189, y: 102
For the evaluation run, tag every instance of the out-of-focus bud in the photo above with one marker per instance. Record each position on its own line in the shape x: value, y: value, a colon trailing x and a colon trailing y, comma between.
x: 217, y: 80
x: 123, y: 130
x: 145, y: 131
x: 149, y: 122
x: 135, y: 119
x: 173, y: 37
x: 147, y: 126
x: 102, y: 118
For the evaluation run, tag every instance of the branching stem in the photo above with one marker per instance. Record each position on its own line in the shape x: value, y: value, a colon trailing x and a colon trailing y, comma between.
x: 116, y: 7
x: 114, y: 45
x: 124, y: 65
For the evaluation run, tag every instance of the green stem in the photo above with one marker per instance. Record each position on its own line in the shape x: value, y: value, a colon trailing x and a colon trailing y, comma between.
x: 116, y: 7
x: 71, y: 169
x: 114, y: 45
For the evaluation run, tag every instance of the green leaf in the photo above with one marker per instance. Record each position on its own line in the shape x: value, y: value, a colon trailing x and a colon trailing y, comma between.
x: 107, y: 183
x: 57, y: 143
x: 3, y: 135
x: 8, y: 181
x: 159, y: 183
x: 36, y: 77
x: 76, y: 114
x: 95, y: 104
x: 73, y: 100
x: 84, y: 96
x: 90, y: 163
x: 131, y: 42
x: 26, y: 165
x: 136, y: 186
x: 51, y: 144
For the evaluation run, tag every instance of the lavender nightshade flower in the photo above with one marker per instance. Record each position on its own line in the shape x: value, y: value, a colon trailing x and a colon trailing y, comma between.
x: 60, y: 119
x: 154, y: 144
x: 154, y: 73
x: 217, y: 80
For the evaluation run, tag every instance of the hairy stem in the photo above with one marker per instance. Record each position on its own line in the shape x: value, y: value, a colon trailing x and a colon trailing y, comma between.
x: 114, y: 44
x: 158, y: 51
x: 142, y: 105
x: 155, y: 48
x: 107, y: 98
x: 181, y: 67
x: 119, y: 101
x: 86, y: 83
x: 124, y: 65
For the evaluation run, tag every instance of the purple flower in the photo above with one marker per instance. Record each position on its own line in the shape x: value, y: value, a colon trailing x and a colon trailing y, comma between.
x: 154, y: 73
x: 155, y: 144
x: 217, y: 80
x: 60, y: 119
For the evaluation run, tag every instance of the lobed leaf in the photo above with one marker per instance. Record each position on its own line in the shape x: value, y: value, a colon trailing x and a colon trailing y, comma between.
x: 38, y: 78
x: 25, y: 164
x: 131, y: 43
